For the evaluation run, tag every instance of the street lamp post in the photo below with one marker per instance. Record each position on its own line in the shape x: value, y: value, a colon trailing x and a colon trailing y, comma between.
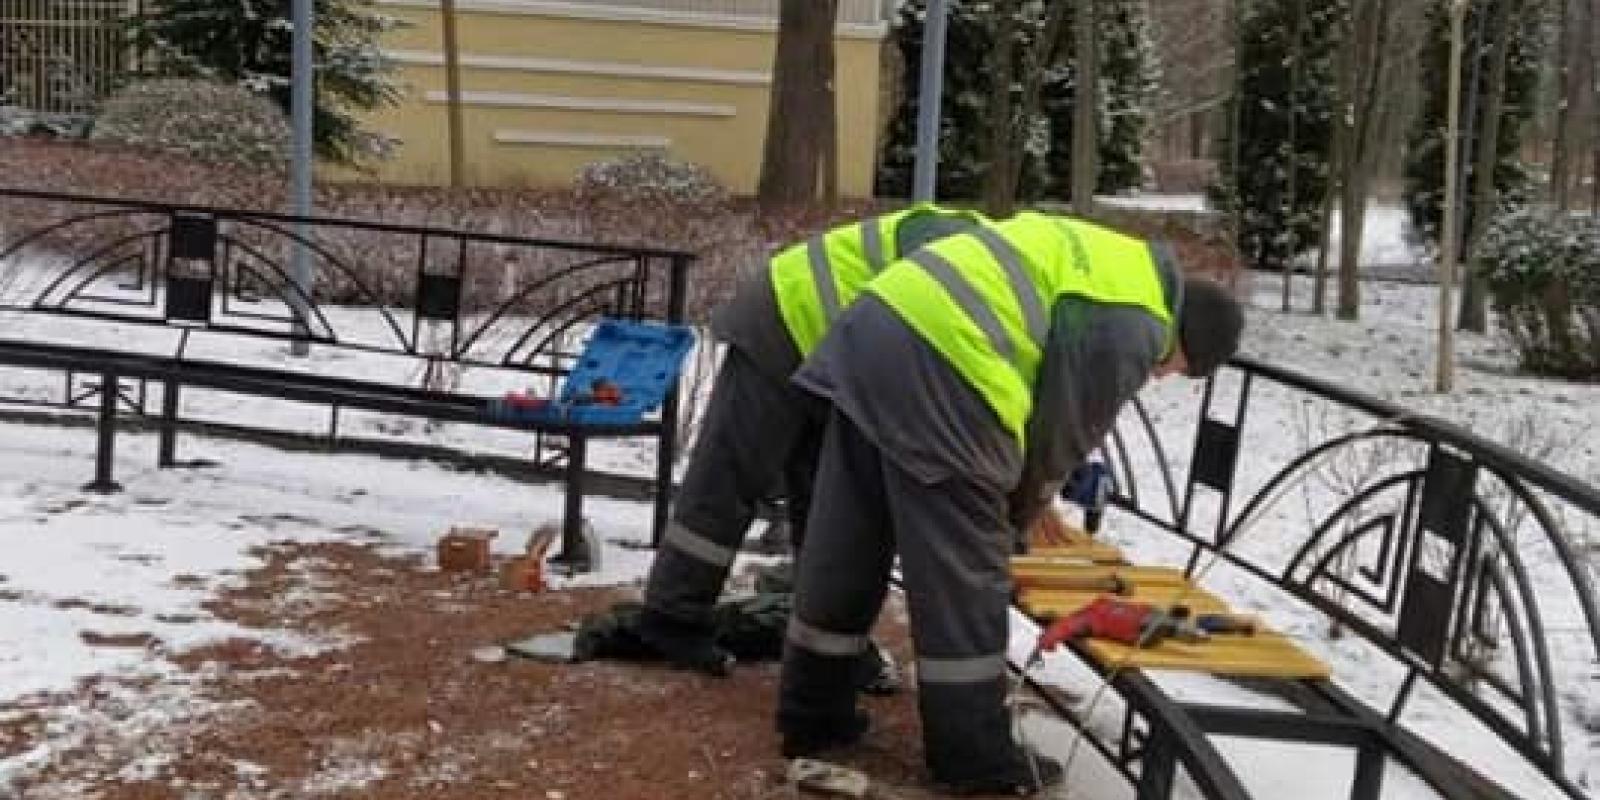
x: 929, y: 97
x: 302, y: 87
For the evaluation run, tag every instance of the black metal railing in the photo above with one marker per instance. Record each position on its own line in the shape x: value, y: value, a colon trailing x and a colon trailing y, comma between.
x: 442, y: 318
x: 1459, y: 563
x: 446, y: 295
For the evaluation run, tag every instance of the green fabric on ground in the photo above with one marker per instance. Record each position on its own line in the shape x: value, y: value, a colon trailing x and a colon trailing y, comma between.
x: 750, y: 628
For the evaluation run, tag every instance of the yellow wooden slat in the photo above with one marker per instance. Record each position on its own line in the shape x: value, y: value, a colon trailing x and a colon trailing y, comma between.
x: 1096, y: 552
x: 1264, y: 655
x: 1047, y: 573
x: 1061, y: 602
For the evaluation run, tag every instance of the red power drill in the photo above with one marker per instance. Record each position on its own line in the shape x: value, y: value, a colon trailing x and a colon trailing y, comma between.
x: 1121, y: 621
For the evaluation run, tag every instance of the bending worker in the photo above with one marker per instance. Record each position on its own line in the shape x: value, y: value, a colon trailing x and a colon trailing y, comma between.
x: 967, y: 381
x: 759, y: 431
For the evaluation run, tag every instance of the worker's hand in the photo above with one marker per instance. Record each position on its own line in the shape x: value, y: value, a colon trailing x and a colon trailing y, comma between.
x: 1049, y: 530
x: 1027, y: 502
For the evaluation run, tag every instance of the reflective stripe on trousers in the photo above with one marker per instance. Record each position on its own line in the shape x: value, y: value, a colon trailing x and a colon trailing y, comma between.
x: 823, y: 642
x: 696, y: 546
x: 975, y: 669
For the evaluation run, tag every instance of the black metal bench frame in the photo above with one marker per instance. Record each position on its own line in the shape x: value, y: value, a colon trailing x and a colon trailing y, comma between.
x: 1452, y: 528
x: 201, y: 270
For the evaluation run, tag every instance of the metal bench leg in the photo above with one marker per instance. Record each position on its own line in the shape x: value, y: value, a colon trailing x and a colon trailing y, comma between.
x: 1368, y: 783
x: 105, y: 449
x: 1157, y: 765
x: 574, y: 556
x: 166, y: 452
x: 666, y: 454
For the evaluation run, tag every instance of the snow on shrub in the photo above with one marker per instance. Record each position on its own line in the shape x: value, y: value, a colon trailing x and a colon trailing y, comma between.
x: 1543, y: 273
x: 648, y: 176
x: 212, y: 122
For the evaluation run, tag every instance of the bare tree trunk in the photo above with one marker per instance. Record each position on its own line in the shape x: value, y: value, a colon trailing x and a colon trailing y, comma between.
x: 452, y: 82
x: 1046, y: 52
x: 1594, y: 111
x: 1347, y: 148
x: 1444, y: 377
x: 1352, y: 223
x: 1085, y: 94
x: 1294, y: 153
x: 1567, y: 116
x: 1474, y: 310
x: 829, y: 163
x: 799, y: 122
x: 1000, y: 184
x: 1235, y: 110
x: 1366, y: 54
x: 1319, y: 280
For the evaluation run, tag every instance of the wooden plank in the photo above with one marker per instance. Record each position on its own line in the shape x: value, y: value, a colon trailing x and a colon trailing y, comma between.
x: 1061, y: 602
x: 1264, y: 655
x: 1093, y: 552
x: 1030, y: 572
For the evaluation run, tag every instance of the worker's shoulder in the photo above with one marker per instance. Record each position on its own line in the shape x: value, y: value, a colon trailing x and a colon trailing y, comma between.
x: 1081, y: 314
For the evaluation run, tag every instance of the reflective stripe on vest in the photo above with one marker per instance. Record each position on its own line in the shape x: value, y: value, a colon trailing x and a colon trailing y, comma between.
x: 815, y: 280
x: 982, y: 299
x: 822, y: 278
x: 872, y: 243
x: 968, y: 299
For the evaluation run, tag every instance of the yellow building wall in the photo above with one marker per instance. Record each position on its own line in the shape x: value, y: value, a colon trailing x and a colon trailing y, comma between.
x: 547, y: 91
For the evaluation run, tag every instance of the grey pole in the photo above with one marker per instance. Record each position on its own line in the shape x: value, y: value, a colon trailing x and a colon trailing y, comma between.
x: 929, y: 97
x: 300, y: 103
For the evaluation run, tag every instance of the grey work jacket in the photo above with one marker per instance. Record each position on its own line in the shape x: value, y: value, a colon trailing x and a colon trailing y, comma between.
x: 922, y: 414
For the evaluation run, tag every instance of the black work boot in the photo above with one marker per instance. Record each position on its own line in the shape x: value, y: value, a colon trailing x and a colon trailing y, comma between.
x: 813, y: 737
x: 683, y: 644
x: 969, y: 745
x: 1024, y: 776
x: 817, y: 703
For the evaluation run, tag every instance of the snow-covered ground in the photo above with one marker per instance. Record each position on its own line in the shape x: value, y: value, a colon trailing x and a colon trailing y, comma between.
x: 146, y: 560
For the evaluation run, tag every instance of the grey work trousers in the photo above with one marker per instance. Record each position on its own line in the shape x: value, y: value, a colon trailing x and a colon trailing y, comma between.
x: 759, y: 435
x: 953, y: 542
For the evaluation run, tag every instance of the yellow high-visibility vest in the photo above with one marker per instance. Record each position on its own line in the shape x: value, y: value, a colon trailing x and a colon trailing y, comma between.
x: 983, y: 299
x: 814, y: 280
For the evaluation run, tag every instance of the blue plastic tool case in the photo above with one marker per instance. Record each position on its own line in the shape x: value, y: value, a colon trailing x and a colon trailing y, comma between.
x: 643, y: 359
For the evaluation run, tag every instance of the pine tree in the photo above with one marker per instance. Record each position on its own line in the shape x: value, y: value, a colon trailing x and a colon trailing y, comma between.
x: 1127, y: 80
x: 1280, y: 217
x: 249, y: 42
x: 1424, y: 169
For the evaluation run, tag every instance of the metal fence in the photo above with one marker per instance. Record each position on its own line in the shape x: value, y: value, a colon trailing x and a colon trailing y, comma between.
x: 61, y: 56
x: 1464, y: 568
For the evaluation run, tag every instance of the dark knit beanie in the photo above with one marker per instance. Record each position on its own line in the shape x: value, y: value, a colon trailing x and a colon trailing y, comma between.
x: 1209, y: 325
